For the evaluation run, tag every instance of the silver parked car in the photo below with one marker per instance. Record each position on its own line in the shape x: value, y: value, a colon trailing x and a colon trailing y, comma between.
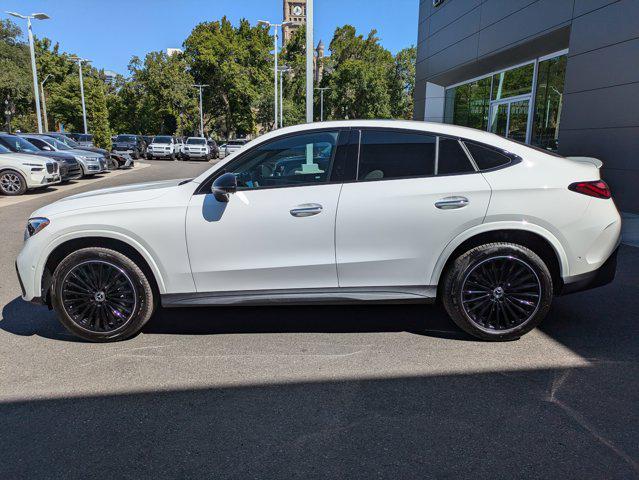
x: 90, y: 162
x: 233, y: 146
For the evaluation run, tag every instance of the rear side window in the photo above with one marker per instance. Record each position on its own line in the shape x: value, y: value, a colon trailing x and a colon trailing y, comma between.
x: 486, y: 157
x: 452, y: 158
x: 388, y: 154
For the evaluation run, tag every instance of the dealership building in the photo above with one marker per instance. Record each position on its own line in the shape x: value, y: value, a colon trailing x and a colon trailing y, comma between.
x: 559, y: 74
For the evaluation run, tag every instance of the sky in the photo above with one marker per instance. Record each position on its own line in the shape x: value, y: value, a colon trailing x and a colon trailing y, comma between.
x: 110, y: 32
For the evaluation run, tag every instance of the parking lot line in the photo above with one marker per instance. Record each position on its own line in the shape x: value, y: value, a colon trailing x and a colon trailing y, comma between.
x: 6, y: 201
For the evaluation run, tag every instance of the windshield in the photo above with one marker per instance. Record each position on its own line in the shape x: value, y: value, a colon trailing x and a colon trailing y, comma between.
x: 18, y: 144
x: 125, y: 138
x: 67, y: 141
x: 196, y: 141
x: 85, y: 138
x: 236, y: 142
x: 162, y: 139
x: 56, y: 143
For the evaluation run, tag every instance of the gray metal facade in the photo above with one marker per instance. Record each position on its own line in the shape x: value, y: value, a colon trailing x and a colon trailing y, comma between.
x: 463, y: 39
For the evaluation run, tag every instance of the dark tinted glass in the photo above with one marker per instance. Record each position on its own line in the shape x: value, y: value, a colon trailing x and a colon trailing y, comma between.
x: 386, y: 154
x: 487, y: 157
x: 452, y: 158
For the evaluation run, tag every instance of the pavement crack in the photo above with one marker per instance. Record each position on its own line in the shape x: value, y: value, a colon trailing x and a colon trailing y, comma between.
x: 558, y: 382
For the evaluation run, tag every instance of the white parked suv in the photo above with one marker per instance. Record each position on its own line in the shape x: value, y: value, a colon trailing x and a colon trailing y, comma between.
x: 196, y: 147
x: 335, y: 212
x: 20, y: 172
x: 163, y: 146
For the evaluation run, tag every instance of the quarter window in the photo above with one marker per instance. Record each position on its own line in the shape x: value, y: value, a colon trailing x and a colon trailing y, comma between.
x: 295, y: 160
x: 452, y: 158
x: 487, y: 158
x: 388, y: 154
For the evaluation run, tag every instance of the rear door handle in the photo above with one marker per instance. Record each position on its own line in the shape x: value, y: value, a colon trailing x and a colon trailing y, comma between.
x: 306, y: 210
x: 450, y: 203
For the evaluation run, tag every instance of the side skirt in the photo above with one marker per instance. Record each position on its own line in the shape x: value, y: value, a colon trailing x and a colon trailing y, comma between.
x: 304, y: 296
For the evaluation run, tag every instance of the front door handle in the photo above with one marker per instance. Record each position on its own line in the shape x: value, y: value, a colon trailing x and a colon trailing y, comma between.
x: 306, y: 210
x: 450, y: 203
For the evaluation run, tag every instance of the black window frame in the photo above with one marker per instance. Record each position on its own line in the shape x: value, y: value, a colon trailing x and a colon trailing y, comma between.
x: 514, y: 158
x: 340, y: 158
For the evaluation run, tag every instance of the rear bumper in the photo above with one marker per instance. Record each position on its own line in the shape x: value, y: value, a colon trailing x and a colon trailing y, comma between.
x: 604, y: 275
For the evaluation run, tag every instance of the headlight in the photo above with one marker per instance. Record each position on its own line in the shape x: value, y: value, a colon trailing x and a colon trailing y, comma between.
x: 34, y: 225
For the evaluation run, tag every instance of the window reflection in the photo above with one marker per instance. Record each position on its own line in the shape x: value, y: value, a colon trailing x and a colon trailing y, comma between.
x: 517, y: 81
x: 548, y: 102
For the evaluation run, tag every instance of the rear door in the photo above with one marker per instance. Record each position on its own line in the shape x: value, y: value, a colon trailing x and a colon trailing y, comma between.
x: 414, y: 193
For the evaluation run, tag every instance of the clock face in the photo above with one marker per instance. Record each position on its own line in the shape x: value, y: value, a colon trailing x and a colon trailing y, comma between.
x: 297, y: 10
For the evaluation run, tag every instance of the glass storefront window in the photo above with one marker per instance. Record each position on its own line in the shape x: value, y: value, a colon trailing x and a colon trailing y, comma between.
x: 517, y: 81
x: 548, y: 102
x: 468, y: 104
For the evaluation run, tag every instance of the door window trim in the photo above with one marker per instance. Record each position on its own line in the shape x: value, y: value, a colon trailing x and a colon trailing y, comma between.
x: 205, y: 186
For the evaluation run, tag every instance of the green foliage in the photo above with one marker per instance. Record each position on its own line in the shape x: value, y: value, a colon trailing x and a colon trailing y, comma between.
x: 236, y: 64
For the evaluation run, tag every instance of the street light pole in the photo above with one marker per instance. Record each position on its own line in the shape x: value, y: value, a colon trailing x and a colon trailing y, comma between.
x: 84, y: 109
x: 201, y: 86
x: 44, y: 103
x: 309, y: 61
x: 282, y: 70
x: 275, y: 70
x: 38, y: 16
x: 321, y: 90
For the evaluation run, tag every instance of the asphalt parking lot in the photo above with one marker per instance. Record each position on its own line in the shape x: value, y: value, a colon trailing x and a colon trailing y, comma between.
x: 317, y: 392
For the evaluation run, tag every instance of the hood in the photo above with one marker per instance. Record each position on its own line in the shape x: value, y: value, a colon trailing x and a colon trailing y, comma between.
x: 139, y: 192
x: 24, y: 157
x: 83, y: 153
x: 101, y: 151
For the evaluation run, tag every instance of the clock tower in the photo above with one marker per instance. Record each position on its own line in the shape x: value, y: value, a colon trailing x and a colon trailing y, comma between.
x: 294, y: 12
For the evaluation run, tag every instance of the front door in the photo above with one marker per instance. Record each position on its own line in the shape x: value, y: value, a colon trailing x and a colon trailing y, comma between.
x: 278, y: 230
x: 509, y: 118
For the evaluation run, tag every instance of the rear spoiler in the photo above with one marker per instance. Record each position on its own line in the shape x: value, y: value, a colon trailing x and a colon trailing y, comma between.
x: 591, y: 160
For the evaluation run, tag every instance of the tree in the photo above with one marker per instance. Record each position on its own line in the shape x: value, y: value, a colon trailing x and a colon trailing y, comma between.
x: 16, y: 84
x: 403, y: 83
x: 236, y: 64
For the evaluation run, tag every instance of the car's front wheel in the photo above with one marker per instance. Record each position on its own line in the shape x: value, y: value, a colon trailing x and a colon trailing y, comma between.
x: 101, y: 295
x: 12, y: 183
x: 497, y: 291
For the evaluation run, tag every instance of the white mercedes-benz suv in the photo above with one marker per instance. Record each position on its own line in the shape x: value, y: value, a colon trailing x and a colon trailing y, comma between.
x: 335, y: 212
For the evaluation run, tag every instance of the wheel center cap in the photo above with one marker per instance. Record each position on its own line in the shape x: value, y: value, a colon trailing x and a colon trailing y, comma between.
x: 498, y: 293
x: 99, y: 297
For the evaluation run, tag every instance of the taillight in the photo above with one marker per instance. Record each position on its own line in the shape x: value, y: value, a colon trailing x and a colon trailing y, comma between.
x: 595, y: 188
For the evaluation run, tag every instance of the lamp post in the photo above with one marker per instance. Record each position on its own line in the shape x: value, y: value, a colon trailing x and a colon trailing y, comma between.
x: 200, y: 86
x: 38, y: 16
x: 275, y: 26
x: 282, y: 70
x: 322, y: 90
x: 84, y: 110
x: 44, y: 102
x: 309, y: 60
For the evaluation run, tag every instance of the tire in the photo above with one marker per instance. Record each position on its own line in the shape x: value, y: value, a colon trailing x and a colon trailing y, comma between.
x: 172, y: 157
x: 497, y: 291
x: 135, y: 155
x: 12, y: 183
x: 104, y: 313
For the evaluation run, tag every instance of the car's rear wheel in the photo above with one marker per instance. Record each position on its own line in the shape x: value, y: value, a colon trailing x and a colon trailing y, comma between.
x: 497, y: 291
x: 12, y: 183
x: 101, y: 295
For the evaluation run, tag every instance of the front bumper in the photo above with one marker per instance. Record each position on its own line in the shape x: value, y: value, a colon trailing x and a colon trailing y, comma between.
x: 604, y: 275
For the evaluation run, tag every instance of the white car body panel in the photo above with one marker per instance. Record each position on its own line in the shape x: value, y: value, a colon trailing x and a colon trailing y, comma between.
x: 254, y: 243
x: 376, y: 246
x: 387, y: 232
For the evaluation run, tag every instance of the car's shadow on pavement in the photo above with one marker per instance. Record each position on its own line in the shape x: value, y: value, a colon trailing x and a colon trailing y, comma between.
x: 22, y: 318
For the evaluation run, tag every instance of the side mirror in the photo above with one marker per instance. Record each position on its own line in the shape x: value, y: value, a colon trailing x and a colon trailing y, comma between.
x: 223, y: 186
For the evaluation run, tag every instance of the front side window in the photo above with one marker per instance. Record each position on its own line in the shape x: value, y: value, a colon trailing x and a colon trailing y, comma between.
x: 295, y: 160
x: 389, y: 154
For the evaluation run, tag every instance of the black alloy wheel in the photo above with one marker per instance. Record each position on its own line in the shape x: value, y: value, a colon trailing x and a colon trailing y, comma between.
x: 500, y: 293
x: 497, y: 291
x: 101, y: 295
